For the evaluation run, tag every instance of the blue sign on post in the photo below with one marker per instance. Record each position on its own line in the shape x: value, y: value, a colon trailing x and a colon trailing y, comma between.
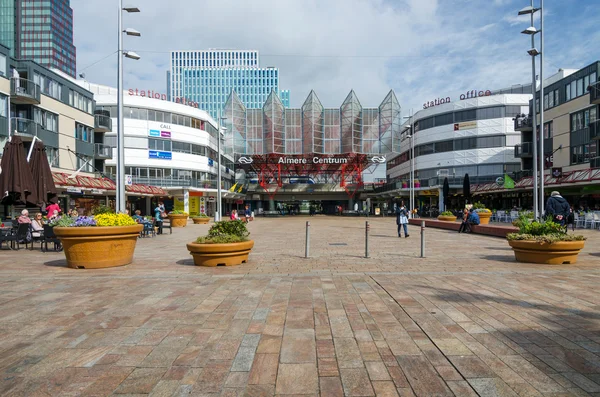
x: 211, y: 163
x: 157, y: 154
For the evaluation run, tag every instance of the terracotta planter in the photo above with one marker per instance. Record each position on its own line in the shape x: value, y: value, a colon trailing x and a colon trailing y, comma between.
x: 559, y: 253
x: 484, y: 217
x: 447, y: 218
x: 178, y: 220
x: 98, y: 247
x: 201, y: 221
x: 230, y: 254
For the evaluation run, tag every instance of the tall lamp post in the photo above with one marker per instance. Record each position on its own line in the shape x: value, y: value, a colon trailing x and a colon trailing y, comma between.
x: 218, y: 212
x: 120, y: 202
x: 411, y: 136
x: 538, y: 152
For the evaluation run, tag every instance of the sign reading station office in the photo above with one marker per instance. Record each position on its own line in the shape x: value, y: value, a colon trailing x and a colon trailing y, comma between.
x: 468, y: 95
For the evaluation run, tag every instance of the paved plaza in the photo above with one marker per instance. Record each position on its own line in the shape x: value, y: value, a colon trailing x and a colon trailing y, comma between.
x: 467, y: 320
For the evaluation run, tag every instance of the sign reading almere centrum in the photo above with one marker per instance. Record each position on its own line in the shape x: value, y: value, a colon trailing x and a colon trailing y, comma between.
x: 315, y: 159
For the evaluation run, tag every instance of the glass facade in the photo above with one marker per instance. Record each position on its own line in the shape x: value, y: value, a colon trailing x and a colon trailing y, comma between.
x: 41, y: 31
x: 312, y: 128
x: 208, y: 77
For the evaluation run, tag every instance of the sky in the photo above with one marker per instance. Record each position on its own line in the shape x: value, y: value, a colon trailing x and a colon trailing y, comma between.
x: 422, y: 49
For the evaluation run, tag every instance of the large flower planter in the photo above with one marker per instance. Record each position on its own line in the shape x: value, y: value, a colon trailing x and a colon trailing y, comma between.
x: 484, y: 217
x: 201, y: 221
x: 558, y: 253
x: 446, y: 218
x: 100, y: 246
x: 178, y: 220
x: 230, y: 254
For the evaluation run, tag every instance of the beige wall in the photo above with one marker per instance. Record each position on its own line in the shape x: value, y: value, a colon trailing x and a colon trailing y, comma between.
x: 561, y: 124
x: 67, y: 116
x: 5, y: 86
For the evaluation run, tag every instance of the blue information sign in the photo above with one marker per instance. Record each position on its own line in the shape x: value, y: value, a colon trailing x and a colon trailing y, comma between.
x: 157, y: 154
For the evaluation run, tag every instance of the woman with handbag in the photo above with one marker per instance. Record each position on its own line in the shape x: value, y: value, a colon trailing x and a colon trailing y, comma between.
x: 402, y: 220
x: 159, y: 215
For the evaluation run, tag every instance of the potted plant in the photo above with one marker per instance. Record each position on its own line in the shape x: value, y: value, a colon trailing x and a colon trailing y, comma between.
x: 545, y: 242
x: 524, y: 217
x: 417, y: 183
x: 178, y: 218
x: 226, y: 244
x: 484, y: 213
x: 447, y: 216
x: 104, y: 240
x: 200, y: 219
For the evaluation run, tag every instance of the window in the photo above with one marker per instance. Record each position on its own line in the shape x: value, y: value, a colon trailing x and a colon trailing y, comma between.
x: 581, y: 154
x: 159, y: 144
x: 549, y: 99
x: 545, y: 101
x: 181, y: 147
x: 2, y: 65
x: 568, y: 92
x: 84, y: 133
x: 490, y: 141
x: 556, y: 101
x: 444, y: 119
x: 583, y: 118
x: 85, y: 163
x: 3, y: 104
x: 445, y: 146
x: 548, y: 130
x: 52, y: 154
x: 80, y: 102
x: 47, y: 120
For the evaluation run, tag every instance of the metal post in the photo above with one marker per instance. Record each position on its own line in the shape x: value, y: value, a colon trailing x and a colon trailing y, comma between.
x: 534, y: 122
x: 412, y: 167
x: 218, y: 213
x: 422, y: 239
x: 367, y: 239
x: 542, y: 154
x: 307, y: 244
x: 120, y: 182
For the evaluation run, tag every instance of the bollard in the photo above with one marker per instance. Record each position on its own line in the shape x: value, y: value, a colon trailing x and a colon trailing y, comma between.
x: 307, y: 246
x: 422, y: 239
x: 366, y: 239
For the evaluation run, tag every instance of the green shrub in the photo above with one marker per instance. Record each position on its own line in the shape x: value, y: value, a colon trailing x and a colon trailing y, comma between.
x: 178, y: 212
x: 225, y: 239
x: 537, y: 228
x: 447, y: 213
x: 102, y: 209
x: 200, y: 216
x: 478, y: 206
x: 548, y: 238
x: 225, y: 232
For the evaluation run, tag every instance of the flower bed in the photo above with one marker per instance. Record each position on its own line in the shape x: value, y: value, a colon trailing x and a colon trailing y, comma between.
x: 104, y: 240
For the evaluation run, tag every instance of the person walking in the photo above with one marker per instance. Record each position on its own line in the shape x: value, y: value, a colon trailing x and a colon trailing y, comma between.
x: 159, y: 211
x: 558, y: 207
x: 402, y: 220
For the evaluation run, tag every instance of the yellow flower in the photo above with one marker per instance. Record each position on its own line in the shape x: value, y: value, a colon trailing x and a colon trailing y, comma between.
x: 114, y: 220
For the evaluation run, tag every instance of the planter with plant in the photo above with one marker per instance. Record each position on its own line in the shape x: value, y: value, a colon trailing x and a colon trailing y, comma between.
x: 544, y: 242
x: 225, y: 244
x: 178, y: 218
x: 104, y: 240
x: 484, y: 213
x: 447, y: 216
x: 202, y: 219
x: 524, y: 217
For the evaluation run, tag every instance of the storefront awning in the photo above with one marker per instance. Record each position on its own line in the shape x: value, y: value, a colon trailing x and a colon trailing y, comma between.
x: 63, y: 180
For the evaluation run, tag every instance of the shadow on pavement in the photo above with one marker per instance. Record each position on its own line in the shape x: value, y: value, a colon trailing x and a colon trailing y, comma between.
x: 500, y: 258
x: 57, y: 263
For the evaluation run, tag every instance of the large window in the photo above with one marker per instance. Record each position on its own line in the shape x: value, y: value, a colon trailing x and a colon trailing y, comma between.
x: 583, y: 118
x: 48, y: 86
x: 548, y: 130
x: 159, y: 144
x: 80, y: 102
x: 46, y: 119
x: 581, y: 154
x: 85, y: 163
x: 2, y: 65
x: 3, y: 105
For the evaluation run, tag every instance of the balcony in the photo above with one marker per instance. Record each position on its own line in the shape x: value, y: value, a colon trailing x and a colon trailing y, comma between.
x: 524, y: 150
x: 595, y: 162
x: 25, y: 128
x: 102, y: 151
x: 24, y: 92
x: 523, y: 124
x: 594, y: 90
x: 102, y: 123
x: 595, y: 130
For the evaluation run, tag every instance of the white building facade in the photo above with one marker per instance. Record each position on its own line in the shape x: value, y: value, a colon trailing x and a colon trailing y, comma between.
x: 472, y: 136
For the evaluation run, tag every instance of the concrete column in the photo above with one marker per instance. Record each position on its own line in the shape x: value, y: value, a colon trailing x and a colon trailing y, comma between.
x: 186, y: 201
x: 351, y: 204
x: 271, y: 205
x: 441, y: 200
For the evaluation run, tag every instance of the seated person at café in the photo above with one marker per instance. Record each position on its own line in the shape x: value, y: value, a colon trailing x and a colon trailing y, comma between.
x: 138, y: 216
x: 24, y: 218
x: 37, y: 225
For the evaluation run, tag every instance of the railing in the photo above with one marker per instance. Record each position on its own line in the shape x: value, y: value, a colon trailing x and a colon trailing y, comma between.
x: 523, y: 124
x: 102, y: 123
x: 176, y: 182
x: 595, y: 130
x: 524, y: 149
x: 25, y: 127
x: 103, y: 151
x: 23, y: 91
x: 594, y: 90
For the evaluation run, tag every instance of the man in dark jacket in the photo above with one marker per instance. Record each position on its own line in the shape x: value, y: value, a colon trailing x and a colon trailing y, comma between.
x: 558, y: 208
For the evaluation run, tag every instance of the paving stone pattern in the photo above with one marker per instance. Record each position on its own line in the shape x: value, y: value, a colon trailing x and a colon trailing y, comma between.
x: 467, y: 320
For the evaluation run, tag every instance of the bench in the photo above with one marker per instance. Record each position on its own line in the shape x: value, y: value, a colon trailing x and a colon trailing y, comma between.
x: 487, y: 230
x: 270, y: 213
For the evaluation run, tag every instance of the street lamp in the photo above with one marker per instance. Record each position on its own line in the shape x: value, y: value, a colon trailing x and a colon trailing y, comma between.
x: 411, y: 136
x: 538, y: 153
x: 218, y: 212
x: 120, y: 202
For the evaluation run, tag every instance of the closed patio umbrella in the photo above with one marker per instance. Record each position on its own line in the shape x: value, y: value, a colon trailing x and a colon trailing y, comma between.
x: 467, y: 187
x: 16, y: 181
x: 42, y: 175
x: 446, y: 191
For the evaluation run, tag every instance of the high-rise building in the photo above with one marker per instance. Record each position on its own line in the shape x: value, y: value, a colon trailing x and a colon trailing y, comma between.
x: 41, y: 31
x: 208, y: 77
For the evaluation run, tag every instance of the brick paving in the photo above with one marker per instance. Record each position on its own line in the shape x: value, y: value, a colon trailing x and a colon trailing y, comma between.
x: 467, y: 320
